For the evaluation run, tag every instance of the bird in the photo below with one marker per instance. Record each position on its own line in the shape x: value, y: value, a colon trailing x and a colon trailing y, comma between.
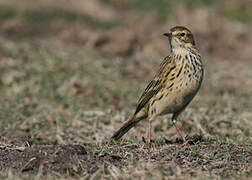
x: 175, y: 84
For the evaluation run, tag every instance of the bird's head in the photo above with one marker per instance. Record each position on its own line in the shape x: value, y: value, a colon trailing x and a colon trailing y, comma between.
x: 180, y: 36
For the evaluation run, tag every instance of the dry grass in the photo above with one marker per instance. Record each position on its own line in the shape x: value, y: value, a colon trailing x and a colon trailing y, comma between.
x: 75, y: 77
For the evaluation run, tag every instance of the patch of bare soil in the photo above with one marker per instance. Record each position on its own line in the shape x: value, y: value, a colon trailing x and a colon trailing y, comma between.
x: 70, y: 159
x: 65, y: 158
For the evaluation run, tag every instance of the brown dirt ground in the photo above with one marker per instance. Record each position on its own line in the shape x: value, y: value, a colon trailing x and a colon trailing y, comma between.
x: 53, y: 159
x: 77, y: 160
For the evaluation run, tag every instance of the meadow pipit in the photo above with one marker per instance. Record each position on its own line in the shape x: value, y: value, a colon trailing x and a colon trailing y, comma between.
x: 173, y: 87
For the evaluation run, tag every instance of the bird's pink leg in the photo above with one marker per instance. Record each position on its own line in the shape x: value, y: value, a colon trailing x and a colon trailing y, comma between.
x: 178, y: 130
x: 149, y: 134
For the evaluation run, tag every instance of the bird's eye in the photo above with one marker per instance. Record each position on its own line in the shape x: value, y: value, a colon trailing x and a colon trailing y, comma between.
x: 182, y: 34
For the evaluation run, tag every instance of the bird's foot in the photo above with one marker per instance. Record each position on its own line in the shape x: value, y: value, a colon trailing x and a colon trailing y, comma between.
x: 147, y: 143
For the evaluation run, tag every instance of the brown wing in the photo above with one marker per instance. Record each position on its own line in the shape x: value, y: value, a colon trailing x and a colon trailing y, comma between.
x: 156, y: 84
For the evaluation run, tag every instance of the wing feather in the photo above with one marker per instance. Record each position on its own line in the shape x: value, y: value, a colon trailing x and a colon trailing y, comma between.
x: 156, y: 84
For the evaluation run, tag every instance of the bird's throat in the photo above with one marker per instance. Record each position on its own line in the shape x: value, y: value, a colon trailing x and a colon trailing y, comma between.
x: 180, y: 51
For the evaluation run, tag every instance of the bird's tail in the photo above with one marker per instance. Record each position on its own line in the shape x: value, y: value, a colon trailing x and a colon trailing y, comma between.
x: 126, y: 127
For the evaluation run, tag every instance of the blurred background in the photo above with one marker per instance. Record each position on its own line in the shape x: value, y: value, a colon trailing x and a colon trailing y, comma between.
x: 73, y: 70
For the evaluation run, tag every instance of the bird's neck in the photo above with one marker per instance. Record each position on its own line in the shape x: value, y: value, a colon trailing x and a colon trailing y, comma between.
x: 188, y: 54
x: 180, y: 51
x: 184, y: 51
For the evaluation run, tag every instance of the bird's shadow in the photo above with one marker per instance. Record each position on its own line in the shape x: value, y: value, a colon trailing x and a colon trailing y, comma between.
x: 190, y: 140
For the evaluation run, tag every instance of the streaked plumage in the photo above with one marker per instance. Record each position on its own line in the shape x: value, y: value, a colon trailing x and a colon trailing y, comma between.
x: 175, y: 84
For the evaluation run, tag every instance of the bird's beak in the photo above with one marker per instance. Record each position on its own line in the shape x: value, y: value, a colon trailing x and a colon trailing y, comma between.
x: 167, y: 35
